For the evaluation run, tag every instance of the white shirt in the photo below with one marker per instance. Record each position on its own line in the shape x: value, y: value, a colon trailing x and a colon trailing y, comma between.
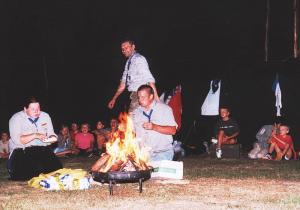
x: 210, y: 106
x: 19, y: 124
x: 138, y: 72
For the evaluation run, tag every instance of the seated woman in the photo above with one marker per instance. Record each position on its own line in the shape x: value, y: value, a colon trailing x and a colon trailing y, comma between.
x: 64, y: 142
x: 4, y: 145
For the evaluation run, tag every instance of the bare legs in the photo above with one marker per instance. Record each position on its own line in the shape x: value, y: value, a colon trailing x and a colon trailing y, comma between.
x: 223, y: 139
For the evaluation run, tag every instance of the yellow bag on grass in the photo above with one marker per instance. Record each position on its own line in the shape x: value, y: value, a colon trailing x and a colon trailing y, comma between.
x: 62, y: 179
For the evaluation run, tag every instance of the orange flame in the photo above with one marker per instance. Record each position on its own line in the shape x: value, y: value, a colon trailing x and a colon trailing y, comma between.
x: 123, y: 147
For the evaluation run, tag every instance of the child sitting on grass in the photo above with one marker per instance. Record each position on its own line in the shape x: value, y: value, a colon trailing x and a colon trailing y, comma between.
x: 84, y: 141
x: 282, y: 143
x: 64, y: 142
x: 4, y: 145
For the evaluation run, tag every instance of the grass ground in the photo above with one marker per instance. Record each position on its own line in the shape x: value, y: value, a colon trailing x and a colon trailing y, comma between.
x: 208, y: 184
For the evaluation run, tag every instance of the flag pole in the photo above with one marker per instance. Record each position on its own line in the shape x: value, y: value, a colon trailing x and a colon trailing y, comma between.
x: 267, y: 31
x: 191, y: 128
x: 296, y: 48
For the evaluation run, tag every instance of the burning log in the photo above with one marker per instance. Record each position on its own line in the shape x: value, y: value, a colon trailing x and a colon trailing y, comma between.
x: 105, y: 168
x: 116, y: 166
x: 101, y: 162
x: 138, y: 166
x: 127, y: 166
x: 143, y: 165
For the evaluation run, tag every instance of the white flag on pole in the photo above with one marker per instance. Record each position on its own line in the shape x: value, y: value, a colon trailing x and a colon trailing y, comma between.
x: 277, y: 90
x: 210, y: 106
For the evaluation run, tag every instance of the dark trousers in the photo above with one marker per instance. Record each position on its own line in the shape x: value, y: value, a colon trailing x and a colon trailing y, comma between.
x: 32, y: 161
x: 84, y: 152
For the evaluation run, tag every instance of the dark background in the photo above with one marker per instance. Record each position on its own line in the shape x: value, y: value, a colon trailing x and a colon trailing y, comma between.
x: 68, y: 53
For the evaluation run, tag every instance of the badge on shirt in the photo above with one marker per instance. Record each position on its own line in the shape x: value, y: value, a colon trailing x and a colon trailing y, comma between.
x: 262, y: 131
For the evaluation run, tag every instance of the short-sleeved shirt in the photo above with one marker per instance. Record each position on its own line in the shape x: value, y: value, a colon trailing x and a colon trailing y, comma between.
x: 136, y: 72
x: 161, y: 115
x: 263, y: 136
x: 19, y: 124
x: 287, y: 139
x: 229, y: 127
x: 84, y: 141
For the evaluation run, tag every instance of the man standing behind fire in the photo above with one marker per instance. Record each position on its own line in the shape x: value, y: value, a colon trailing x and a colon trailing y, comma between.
x: 154, y: 124
x: 136, y: 73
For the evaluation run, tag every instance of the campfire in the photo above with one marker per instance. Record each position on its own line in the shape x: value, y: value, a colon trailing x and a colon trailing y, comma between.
x: 123, y: 153
x: 124, y: 160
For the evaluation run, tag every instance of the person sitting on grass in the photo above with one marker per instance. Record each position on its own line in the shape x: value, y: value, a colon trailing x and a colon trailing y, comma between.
x: 226, y: 130
x: 282, y: 143
x: 4, y: 145
x: 261, y: 146
x: 64, y: 142
x: 84, y: 141
x: 114, y: 126
x: 101, y: 136
x: 32, y: 134
x: 73, y: 131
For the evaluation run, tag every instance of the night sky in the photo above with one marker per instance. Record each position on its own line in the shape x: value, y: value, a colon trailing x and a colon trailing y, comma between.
x: 68, y: 53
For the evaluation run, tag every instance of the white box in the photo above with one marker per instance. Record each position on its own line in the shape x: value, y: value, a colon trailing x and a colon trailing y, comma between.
x: 167, y: 169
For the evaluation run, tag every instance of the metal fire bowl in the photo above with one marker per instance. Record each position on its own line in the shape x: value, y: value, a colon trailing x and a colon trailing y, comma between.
x: 122, y: 177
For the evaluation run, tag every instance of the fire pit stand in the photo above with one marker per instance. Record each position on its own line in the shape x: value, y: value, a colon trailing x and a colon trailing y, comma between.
x: 122, y: 177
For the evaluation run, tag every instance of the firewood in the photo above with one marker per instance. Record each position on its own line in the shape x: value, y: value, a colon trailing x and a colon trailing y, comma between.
x: 100, y: 162
x: 124, y: 165
x: 129, y: 166
x: 116, y: 166
x: 135, y: 164
x: 105, y: 168
x: 143, y: 165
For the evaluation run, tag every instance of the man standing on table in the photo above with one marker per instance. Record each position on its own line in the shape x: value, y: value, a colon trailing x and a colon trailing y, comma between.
x: 136, y: 73
x: 154, y: 124
x: 31, y: 133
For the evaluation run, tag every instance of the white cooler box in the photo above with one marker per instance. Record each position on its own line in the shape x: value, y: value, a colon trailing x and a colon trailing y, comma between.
x: 167, y: 169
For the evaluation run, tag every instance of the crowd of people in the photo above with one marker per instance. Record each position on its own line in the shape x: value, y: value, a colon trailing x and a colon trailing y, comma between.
x: 32, y: 147
x: 82, y: 140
